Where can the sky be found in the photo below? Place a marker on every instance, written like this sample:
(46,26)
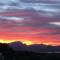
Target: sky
(30,21)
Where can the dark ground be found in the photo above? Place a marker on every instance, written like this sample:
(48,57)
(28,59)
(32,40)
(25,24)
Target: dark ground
(31,56)
(8,53)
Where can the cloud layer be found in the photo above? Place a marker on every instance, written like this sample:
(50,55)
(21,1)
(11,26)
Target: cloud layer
(30,20)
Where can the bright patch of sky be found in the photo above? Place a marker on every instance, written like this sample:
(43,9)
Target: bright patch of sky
(55,23)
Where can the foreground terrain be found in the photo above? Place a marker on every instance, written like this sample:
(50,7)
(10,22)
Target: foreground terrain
(7,53)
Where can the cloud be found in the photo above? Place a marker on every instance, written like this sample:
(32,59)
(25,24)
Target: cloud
(12,18)
(55,23)
(50,33)
(35,21)
(40,0)
(49,9)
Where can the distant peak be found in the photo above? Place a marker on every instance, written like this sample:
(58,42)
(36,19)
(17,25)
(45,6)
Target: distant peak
(16,42)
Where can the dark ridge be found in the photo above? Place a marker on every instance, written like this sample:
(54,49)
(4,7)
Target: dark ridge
(7,53)
(18,46)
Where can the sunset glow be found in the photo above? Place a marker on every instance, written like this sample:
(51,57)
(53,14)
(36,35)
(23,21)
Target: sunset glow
(5,41)
(30,21)
(27,42)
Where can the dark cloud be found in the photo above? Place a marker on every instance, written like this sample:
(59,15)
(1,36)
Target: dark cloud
(51,33)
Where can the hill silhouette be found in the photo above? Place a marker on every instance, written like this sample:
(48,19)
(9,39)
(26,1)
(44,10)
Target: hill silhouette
(9,53)
(18,46)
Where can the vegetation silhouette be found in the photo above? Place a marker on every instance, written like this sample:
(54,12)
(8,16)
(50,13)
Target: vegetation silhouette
(10,54)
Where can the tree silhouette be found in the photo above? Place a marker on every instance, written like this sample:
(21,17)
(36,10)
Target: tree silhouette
(6,51)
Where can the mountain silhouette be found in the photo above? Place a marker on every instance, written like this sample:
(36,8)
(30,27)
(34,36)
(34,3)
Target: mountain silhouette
(18,46)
